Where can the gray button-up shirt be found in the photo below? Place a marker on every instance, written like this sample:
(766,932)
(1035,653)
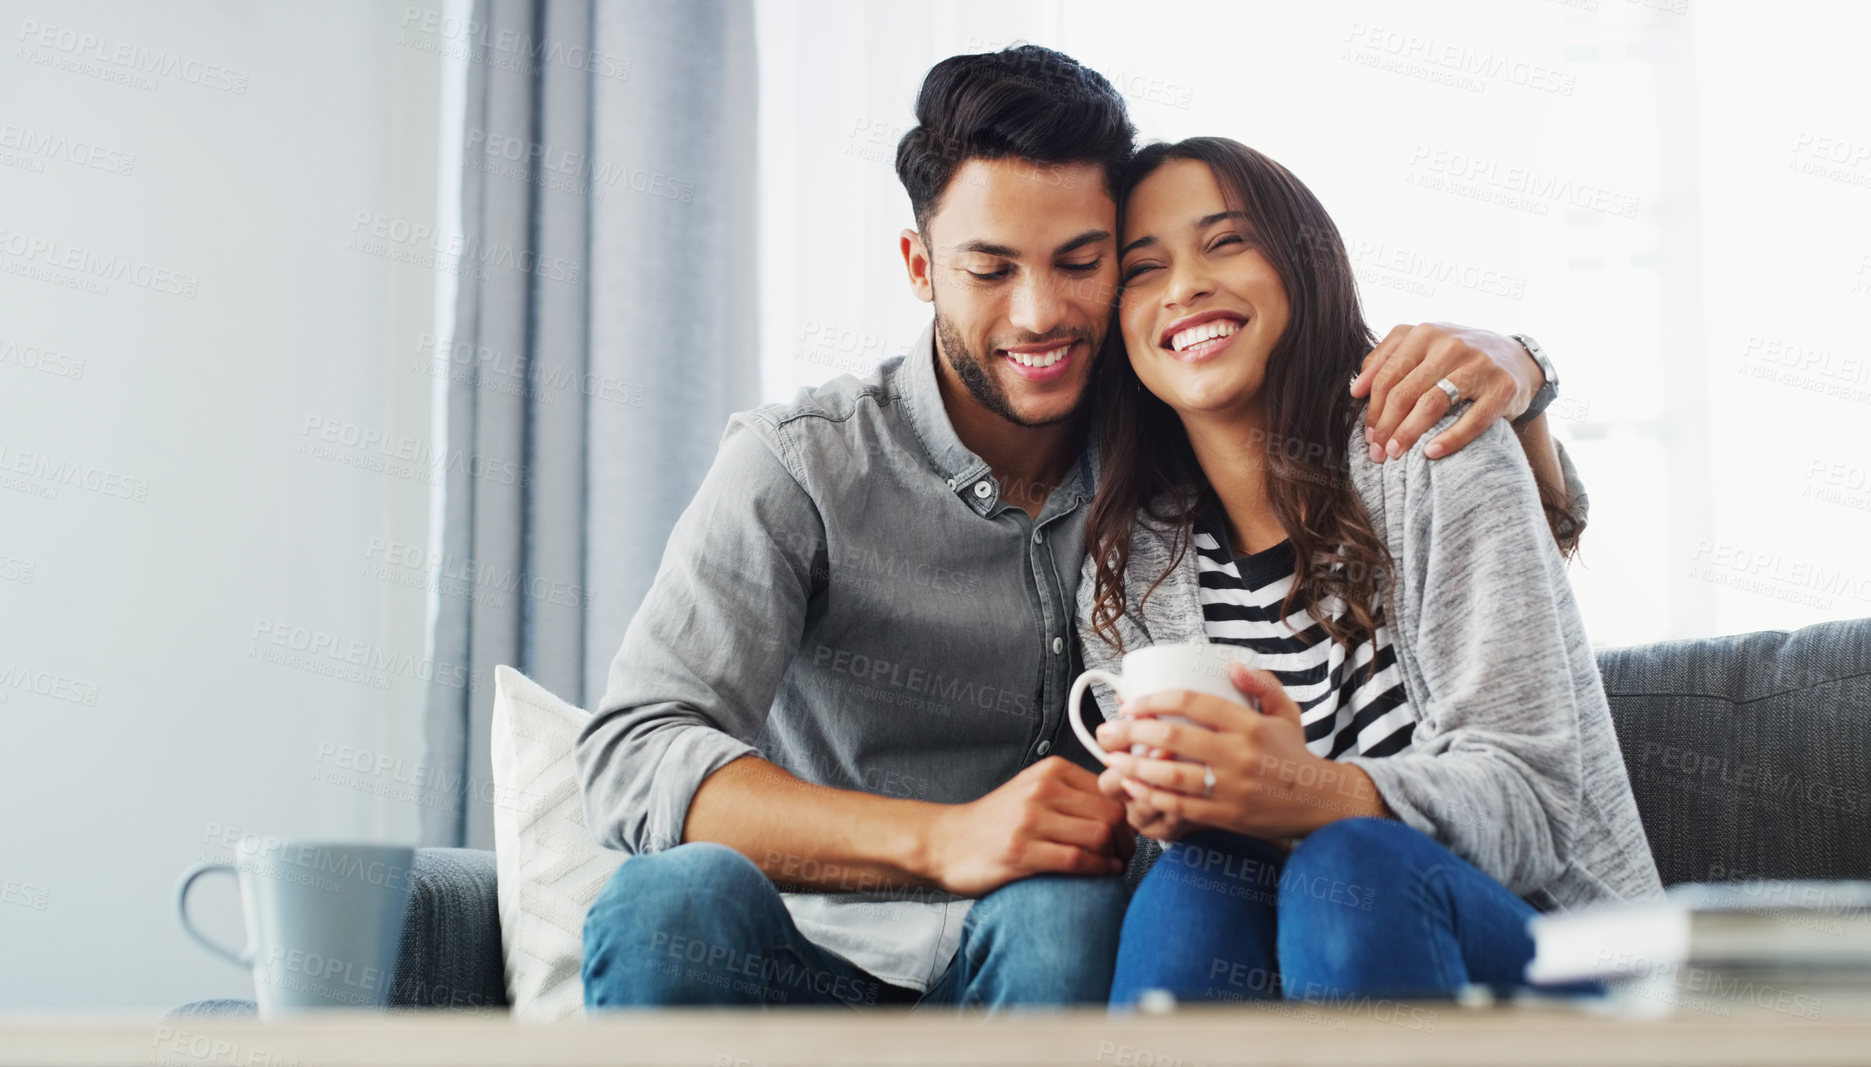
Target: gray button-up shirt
(853,596)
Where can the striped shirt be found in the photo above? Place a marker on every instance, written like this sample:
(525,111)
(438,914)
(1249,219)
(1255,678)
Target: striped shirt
(1346,712)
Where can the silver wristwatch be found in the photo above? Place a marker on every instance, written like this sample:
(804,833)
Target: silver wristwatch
(1547,392)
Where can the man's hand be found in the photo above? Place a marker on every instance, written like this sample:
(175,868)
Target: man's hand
(1401,373)
(1049,818)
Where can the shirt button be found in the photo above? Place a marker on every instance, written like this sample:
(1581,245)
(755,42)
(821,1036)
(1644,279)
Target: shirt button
(1038,538)
(983,490)
(1058,645)
(1042,748)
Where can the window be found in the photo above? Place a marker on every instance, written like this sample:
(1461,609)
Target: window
(1674,198)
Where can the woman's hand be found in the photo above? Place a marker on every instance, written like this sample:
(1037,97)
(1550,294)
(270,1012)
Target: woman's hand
(1267,784)
(1143,818)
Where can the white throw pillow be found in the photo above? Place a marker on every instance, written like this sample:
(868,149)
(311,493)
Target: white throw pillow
(550,869)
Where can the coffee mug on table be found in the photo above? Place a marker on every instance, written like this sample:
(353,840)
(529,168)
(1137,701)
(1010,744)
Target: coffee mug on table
(1202,668)
(324,921)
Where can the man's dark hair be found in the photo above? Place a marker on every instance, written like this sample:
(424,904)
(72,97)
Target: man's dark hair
(1025,102)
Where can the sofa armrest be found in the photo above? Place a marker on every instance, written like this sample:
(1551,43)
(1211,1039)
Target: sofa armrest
(450,956)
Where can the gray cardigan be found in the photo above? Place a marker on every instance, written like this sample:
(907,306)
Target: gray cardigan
(1514,765)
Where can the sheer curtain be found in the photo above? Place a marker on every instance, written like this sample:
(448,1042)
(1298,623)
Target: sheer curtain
(1672,197)
(603,332)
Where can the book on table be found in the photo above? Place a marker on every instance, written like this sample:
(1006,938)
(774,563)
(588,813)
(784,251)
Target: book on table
(1787,946)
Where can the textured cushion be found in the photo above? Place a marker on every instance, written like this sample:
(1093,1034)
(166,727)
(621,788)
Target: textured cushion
(550,868)
(1750,755)
(450,956)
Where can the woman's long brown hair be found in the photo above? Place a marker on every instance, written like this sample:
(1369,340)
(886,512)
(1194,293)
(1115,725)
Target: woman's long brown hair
(1148,469)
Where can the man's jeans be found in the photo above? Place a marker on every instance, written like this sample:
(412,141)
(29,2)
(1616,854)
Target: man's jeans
(1363,907)
(699,924)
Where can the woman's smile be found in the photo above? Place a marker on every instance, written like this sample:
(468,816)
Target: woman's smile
(1199,337)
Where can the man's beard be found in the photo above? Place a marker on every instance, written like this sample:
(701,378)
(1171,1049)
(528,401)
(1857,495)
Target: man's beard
(971,367)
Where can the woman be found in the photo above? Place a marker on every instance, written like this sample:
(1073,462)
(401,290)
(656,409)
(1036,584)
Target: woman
(1434,758)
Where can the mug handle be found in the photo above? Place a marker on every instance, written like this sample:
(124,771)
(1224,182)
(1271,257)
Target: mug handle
(1078,721)
(244,957)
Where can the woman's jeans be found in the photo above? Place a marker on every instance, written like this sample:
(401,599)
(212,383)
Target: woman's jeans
(1362,907)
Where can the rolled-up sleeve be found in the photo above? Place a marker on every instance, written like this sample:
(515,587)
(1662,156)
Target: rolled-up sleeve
(691,686)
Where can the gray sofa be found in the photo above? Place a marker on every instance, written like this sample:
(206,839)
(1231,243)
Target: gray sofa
(1750,756)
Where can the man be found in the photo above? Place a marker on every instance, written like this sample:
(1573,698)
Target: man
(849,675)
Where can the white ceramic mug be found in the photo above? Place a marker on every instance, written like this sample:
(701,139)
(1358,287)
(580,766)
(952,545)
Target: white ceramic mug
(1201,668)
(324,920)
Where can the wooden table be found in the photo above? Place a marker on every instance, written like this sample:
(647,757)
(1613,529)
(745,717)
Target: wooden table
(1267,1035)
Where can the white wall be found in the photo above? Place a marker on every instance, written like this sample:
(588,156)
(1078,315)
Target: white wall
(162,737)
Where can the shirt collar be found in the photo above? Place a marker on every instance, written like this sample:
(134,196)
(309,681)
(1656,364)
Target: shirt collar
(921,395)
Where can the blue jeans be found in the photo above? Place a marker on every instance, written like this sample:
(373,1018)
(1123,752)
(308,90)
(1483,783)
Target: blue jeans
(699,924)
(1363,907)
